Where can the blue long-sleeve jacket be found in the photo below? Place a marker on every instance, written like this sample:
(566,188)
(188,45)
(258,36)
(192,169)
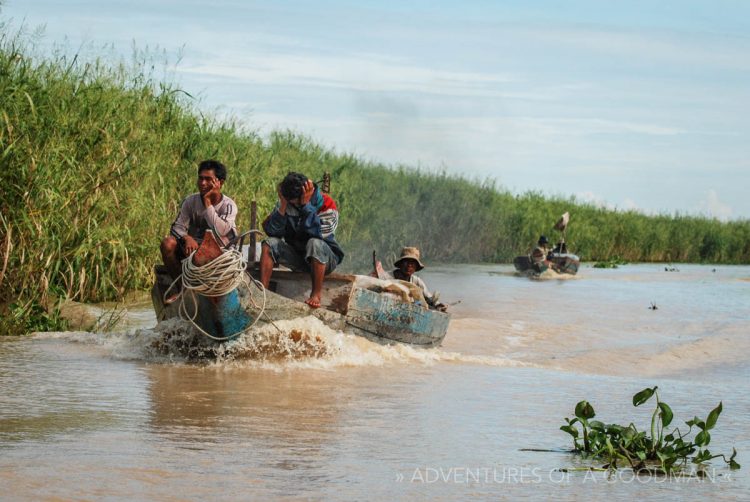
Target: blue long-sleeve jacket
(316,219)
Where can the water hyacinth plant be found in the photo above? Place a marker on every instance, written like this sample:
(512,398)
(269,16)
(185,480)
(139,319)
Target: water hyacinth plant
(662,452)
(613,262)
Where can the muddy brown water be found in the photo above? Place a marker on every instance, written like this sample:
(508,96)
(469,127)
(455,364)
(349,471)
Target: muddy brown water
(86,415)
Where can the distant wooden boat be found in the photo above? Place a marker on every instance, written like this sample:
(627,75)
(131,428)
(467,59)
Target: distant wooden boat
(559,260)
(562,263)
(380,311)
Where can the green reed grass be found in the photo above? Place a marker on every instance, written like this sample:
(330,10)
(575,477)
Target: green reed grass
(95,159)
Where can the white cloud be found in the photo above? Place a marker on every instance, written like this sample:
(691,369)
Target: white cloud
(594,199)
(630,205)
(714,207)
(357,73)
(669,47)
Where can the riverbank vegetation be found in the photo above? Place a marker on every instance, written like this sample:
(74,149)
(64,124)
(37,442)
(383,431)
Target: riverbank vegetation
(96,157)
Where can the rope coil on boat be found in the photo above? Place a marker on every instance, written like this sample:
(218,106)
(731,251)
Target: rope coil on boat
(218,277)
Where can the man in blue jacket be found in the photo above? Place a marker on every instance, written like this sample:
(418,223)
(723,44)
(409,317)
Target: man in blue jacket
(300,233)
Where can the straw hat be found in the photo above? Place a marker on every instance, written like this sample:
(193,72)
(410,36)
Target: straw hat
(409,252)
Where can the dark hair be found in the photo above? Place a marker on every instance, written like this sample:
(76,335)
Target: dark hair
(543,240)
(220,171)
(292,184)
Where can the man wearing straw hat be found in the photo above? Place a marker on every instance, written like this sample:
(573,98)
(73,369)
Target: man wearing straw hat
(408,263)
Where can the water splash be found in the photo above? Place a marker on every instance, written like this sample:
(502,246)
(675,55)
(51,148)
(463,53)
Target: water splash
(304,343)
(550,274)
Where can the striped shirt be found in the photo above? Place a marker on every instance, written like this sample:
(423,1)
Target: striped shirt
(194,218)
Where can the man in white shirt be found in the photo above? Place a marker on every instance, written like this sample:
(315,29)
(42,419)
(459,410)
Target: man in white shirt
(207,209)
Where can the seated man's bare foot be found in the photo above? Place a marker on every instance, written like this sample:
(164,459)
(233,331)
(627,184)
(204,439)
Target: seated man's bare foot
(172,298)
(313,302)
(175,291)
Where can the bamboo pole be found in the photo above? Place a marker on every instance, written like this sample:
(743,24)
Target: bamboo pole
(253,226)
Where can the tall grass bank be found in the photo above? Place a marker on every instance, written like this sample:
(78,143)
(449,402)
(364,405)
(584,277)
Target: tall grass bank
(96,157)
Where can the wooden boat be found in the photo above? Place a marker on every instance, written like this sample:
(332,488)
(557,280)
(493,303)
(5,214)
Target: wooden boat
(377,310)
(362,305)
(558,260)
(562,263)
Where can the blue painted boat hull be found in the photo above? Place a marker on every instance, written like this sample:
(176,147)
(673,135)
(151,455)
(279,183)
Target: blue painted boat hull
(379,317)
(385,319)
(222,316)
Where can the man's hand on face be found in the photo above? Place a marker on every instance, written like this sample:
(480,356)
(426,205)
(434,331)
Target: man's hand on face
(307,192)
(282,201)
(189,245)
(213,192)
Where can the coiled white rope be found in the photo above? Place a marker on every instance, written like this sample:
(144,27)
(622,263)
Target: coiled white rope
(218,277)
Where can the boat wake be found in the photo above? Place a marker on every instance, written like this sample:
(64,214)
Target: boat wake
(722,349)
(550,274)
(304,343)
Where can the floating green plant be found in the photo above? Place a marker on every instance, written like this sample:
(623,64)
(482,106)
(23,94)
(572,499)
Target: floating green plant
(613,262)
(626,446)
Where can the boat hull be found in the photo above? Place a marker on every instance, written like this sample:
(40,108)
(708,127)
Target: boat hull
(383,319)
(222,317)
(347,305)
(562,263)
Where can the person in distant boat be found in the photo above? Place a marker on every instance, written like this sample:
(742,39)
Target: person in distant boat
(300,233)
(540,252)
(408,263)
(560,247)
(207,209)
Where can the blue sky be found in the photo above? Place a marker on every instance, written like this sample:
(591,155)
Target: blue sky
(627,104)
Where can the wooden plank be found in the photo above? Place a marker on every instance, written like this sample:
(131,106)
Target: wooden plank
(337,288)
(278,308)
(251,258)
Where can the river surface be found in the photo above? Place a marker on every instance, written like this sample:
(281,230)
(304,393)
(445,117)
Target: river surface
(105,416)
